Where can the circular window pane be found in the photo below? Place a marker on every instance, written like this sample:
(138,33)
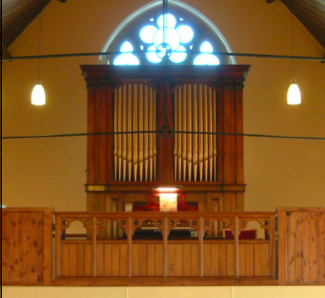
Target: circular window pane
(126,59)
(186,33)
(152,55)
(147,33)
(168,36)
(126,47)
(206,59)
(206,47)
(179,55)
(167,20)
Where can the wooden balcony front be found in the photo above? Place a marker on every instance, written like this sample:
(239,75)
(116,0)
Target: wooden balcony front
(158,248)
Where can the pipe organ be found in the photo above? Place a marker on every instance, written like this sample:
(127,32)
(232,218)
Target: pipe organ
(135,153)
(165,125)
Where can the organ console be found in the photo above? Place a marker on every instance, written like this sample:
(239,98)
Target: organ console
(158,125)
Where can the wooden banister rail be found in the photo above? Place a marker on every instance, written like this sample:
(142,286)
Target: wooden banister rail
(165,257)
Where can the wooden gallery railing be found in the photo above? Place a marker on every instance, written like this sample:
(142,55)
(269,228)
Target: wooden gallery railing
(151,248)
(167,260)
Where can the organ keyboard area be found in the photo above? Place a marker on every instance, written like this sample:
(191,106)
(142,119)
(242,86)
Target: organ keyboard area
(165,125)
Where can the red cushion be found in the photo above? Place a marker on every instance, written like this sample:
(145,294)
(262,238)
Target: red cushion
(246,234)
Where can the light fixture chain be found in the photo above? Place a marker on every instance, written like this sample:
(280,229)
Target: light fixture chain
(292,46)
(40,47)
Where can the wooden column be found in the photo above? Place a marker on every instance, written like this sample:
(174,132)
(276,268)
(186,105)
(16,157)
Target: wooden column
(165,232)
(91,140)
(231,121)
(94,244)
(236,247)
(229,141)
(57,272)
(239,120)
(201,247)
(129,245)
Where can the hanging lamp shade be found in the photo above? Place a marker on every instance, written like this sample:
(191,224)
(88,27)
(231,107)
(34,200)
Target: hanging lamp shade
(293,95)
(38,95)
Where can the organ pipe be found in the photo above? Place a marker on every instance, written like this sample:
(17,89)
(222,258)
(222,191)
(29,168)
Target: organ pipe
(134,152)
(195,155)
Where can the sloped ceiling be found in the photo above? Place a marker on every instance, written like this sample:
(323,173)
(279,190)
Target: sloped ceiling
(18,14)
(311,13)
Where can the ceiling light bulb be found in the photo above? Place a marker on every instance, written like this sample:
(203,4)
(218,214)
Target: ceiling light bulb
(166,189)
(293,95)
(38,95)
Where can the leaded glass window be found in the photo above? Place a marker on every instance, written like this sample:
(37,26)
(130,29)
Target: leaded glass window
(173,38)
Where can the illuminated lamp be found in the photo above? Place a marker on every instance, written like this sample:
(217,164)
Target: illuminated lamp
(167,198)
(293,94)
(38,93)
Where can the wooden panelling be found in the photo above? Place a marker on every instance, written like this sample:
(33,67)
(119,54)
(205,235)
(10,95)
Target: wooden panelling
(254,259)
(215,259)
(26,248)
(182,259)
(76,259)
(301,246)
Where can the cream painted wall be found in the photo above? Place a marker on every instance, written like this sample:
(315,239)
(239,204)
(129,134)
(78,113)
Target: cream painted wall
(162,292)
(51,172)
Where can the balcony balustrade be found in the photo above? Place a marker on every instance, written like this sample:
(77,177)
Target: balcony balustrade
(163,248)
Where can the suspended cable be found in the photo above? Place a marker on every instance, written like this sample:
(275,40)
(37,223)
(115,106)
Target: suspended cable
(53,56)
(170,132)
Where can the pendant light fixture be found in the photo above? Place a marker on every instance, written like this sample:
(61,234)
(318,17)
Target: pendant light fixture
(38,93)
(293,94)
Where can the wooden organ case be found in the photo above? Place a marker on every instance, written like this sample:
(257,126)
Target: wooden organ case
(153,126)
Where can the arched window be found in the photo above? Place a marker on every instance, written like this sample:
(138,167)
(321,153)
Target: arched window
(181,36)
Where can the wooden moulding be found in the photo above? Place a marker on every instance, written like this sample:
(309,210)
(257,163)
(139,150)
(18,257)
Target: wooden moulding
(14,209)
(147,187)
(163,281)
(188,215)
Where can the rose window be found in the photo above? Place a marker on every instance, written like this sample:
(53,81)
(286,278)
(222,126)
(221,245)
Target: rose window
(169,38)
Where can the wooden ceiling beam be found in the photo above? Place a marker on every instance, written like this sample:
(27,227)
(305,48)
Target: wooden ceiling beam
(5,53)
(311,14)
